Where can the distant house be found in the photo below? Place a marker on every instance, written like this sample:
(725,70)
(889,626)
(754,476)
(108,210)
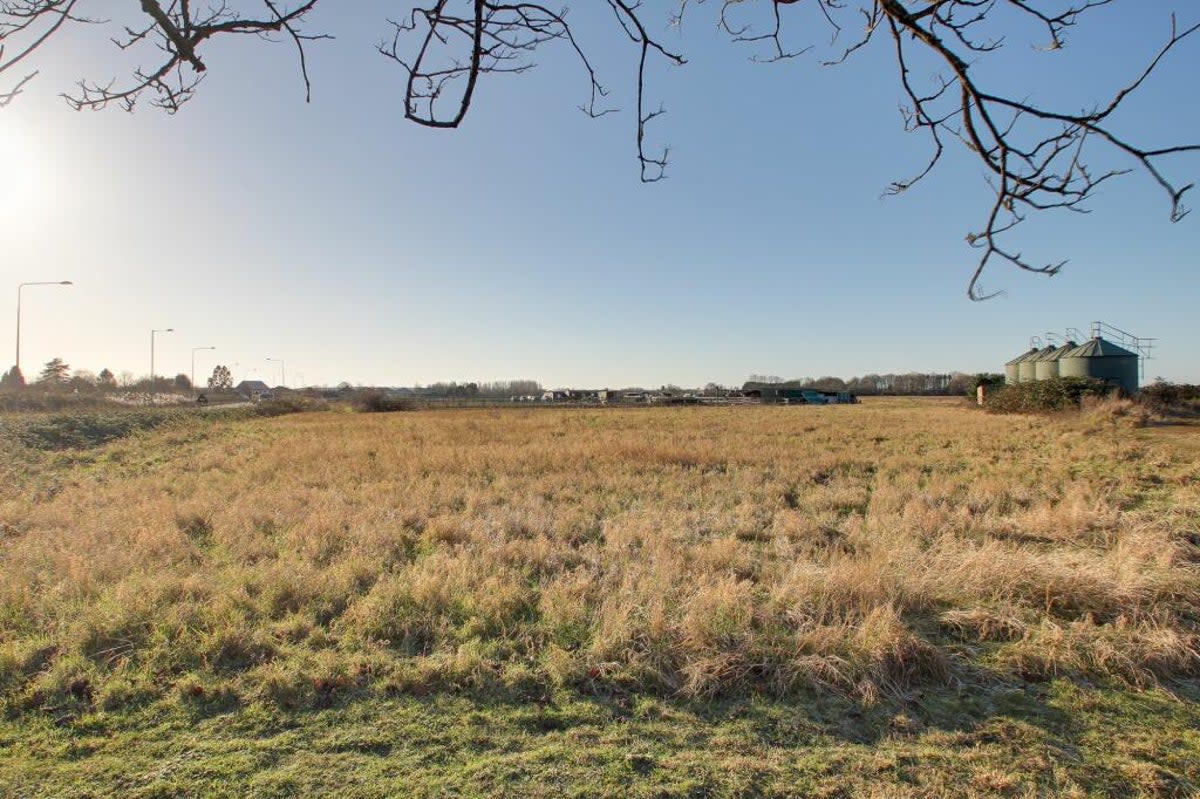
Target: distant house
(253,389)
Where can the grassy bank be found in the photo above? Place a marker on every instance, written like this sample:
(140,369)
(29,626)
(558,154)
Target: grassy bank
(1053,739)
(903,579)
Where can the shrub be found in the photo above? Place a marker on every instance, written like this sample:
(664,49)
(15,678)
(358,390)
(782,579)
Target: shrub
(83,430)
(281,406)
(30,400)
(1047,396)
(1171,397)
(1115,411)
(376,401)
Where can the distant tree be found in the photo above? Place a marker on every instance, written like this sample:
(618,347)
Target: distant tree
(509,388)
(961,383)
(867,384)
(183,382)
(221,379)
(988,380)
(12,379)
(55,372)
(453,389)
(106,379)
(82,380)
(829,384)
(764,379)
(525,387)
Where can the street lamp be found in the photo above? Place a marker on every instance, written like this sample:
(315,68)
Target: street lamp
(282,372)
(194,351)
(21,286)
(152,332)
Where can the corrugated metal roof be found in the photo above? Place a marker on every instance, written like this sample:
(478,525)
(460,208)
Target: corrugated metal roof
(1100,348)
(1054,353)
(1025,356)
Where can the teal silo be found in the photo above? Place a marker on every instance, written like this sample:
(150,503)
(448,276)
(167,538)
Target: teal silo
(1012,373)
(1027,368)
(1102,359)
(1045,367)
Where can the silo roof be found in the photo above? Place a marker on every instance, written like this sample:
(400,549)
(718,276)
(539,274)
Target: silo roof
(1054,353)
(1046,353)
(1025,356)
(1100,348)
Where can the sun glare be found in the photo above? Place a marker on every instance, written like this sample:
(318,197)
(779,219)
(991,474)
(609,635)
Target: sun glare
(23,176)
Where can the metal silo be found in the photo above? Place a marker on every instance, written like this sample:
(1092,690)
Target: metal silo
(1045,366)
(1100,358)
(1027,368)
(1012,374)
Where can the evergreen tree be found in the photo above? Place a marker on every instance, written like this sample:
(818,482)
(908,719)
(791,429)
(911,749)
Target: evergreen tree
(55,372)
(12,379)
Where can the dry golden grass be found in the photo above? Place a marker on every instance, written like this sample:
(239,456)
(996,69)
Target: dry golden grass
(692,551)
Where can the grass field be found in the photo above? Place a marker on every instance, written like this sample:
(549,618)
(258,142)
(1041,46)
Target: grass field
(902,598)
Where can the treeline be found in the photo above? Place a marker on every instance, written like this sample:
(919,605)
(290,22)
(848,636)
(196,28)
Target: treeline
(57,376)
(500,389)
(907,384)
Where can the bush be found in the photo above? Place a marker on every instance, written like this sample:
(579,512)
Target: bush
(83,430)
(1115,411)
(1047,396)
(281,406)
(376,401)
(50,402)
(1171,397)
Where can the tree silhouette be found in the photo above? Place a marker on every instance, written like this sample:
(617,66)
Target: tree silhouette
(1035,158)
(221,379)
(12,379)
(55,372)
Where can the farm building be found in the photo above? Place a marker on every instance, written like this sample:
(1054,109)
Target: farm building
(1110,354)
(785,394)
(1101,358)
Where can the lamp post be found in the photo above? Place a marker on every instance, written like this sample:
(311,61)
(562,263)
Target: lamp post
(21,286)
(282,372)
(194,351)
(152,332)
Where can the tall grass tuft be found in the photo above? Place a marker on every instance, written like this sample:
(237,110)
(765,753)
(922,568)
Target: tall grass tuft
(688,552)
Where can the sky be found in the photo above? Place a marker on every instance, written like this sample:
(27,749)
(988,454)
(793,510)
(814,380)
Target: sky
(356,246)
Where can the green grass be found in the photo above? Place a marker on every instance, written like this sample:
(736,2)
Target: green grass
(1056,739)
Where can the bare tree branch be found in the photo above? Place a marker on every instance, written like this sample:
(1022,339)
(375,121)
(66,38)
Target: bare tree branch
(1035,158)
(173,33)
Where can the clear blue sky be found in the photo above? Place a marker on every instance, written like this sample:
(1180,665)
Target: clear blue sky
(359,247)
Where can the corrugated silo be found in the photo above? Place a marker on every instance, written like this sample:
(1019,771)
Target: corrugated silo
(1027,368)
(1102,359)
(1012,374)
(1045,366)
